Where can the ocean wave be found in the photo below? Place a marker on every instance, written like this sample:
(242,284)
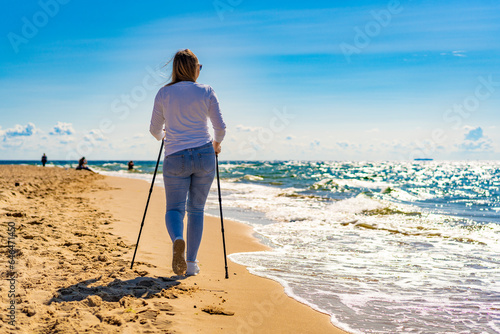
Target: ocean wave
(250,177)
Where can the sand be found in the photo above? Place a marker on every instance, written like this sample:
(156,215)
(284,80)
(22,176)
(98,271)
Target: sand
(75,234)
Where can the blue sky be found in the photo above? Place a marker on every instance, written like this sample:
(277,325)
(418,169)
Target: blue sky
(322,80)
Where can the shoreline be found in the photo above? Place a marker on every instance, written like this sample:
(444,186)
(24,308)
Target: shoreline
(258,310)
(75,237)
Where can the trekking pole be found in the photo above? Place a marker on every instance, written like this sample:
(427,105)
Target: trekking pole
(147,203)
(221,219)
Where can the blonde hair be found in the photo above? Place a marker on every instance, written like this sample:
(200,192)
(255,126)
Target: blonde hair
(184,67)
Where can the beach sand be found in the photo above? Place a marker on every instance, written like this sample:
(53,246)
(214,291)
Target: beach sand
(74,241)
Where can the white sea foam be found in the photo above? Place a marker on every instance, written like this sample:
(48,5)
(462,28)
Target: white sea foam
(359,267)
(132,175)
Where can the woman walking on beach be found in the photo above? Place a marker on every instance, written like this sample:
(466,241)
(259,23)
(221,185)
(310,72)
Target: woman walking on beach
(180,114)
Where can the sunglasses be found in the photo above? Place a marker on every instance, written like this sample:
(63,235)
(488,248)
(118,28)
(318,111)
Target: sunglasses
(201,66)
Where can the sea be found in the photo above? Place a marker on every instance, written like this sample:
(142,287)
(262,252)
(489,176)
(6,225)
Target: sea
(381,247)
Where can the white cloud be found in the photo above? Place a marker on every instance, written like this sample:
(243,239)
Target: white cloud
(94,135)
(16,137)
(244,128)
(484,144)
(67,140)
(315,143)
(343,144)
(474,134)
(19,131)
(62,128)
(458,53)
(476,140)
(11,143)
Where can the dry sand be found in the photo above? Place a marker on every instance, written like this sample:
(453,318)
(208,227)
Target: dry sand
(75,236)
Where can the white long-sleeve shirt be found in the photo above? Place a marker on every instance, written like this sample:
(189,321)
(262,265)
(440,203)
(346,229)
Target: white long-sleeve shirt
(184,108)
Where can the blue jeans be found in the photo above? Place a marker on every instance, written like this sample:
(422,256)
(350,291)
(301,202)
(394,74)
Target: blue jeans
(188,176)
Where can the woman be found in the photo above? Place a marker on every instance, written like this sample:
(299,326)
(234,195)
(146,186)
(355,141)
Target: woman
(182,108)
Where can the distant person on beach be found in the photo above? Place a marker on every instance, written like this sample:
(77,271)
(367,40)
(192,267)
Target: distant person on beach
(130,165)
(183,107)
(44,160)
(82,164)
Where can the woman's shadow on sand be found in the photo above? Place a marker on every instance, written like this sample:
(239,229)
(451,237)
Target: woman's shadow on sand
(139,287)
